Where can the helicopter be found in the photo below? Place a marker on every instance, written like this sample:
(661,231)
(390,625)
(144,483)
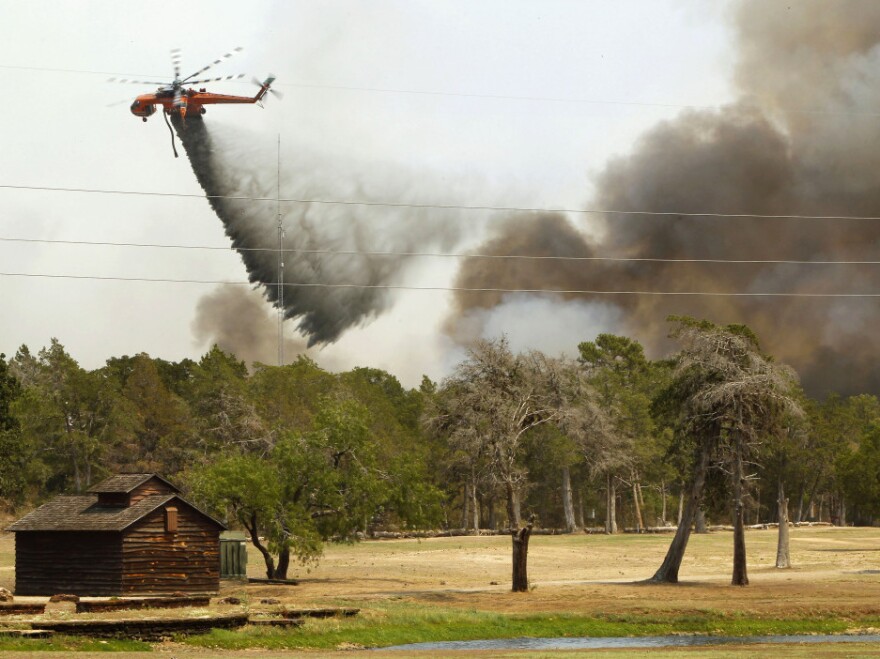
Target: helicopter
(176,98)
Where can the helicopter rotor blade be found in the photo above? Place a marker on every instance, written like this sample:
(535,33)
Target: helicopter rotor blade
(259,83)
(135,82)
(175,62)
(214,63)
(217,79)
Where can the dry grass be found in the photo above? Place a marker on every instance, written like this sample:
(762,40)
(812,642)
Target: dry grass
(836,575)
(583,574)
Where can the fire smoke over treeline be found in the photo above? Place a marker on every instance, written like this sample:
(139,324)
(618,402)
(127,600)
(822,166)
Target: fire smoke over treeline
(800,141)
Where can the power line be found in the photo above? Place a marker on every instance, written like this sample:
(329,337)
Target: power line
(463,207)
(441,288)
(332,252)
(427,92)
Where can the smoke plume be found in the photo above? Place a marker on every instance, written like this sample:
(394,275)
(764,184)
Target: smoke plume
(801,140)
(238,320)
(333,276)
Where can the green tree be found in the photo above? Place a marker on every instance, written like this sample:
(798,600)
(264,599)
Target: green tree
(13,465)
(308,488)
(68,413)
(225,413)
(860,473)
(160,430)
(625,380)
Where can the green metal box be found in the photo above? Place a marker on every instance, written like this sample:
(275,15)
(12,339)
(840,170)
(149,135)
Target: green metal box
(233,555)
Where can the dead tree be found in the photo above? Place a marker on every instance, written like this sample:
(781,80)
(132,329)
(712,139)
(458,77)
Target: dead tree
(521,555)
(783,553)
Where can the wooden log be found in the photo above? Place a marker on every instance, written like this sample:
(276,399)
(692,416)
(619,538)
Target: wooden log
(146,629)
(25,633)
(320,613)
(276,622)
(93,606)
(21,608)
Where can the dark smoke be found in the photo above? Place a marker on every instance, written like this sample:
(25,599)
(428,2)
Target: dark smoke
(802,140)
(238,320)
(227,164)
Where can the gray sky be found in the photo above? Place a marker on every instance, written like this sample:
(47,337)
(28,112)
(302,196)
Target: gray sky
(423,90)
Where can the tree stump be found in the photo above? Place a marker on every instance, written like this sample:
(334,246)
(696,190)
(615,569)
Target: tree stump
(521,556)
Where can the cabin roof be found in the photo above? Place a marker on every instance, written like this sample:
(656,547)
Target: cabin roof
(125,483)
(82,513)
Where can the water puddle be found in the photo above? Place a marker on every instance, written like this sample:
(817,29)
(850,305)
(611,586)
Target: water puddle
(585,643)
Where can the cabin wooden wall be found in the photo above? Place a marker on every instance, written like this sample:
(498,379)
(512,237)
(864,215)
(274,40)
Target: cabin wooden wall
(158,562)
(79,563)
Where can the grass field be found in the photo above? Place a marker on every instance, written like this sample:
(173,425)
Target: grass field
(583,585)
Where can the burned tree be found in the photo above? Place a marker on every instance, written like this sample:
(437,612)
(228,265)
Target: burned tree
(520,577)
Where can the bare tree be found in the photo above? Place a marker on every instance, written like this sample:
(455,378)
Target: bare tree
(731,396)
(489,403)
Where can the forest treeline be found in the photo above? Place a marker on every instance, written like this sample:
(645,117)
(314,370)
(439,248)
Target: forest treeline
(298,455)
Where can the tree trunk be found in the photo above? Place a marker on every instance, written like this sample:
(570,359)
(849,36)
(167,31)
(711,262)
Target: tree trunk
(567,502)
(700,521)
(283,564)
(783,555)
(513,515)
(757,505)
(520,557)
(466,506)
(811,499)
(663,500)
(490,513)
(740,576)
(476,508)
(640,524)
(680,504)
(668,571)
(610,505)
(253,528)
(800,512)
(580,509)
(841,511)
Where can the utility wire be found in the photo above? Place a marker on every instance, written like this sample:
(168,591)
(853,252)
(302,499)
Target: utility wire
(426,92)
(332,252)
(441,288)
(391,204)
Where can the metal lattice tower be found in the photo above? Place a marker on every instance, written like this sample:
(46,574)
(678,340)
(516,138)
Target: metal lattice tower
(280,261)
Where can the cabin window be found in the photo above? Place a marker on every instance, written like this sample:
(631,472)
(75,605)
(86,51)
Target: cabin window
(171,520)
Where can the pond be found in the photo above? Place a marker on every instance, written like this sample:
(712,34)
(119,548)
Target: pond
(586,643)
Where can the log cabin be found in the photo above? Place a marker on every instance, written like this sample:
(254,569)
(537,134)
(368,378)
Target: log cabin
(131,534)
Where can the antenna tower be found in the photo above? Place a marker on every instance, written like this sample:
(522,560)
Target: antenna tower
(280,260)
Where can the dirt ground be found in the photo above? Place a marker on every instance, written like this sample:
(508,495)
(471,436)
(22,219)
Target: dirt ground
(836,571)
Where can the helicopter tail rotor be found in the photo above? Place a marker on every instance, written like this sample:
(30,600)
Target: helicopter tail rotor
(265,86)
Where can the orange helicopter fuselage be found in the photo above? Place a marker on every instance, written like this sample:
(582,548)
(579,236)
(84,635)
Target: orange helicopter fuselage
(188,102)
